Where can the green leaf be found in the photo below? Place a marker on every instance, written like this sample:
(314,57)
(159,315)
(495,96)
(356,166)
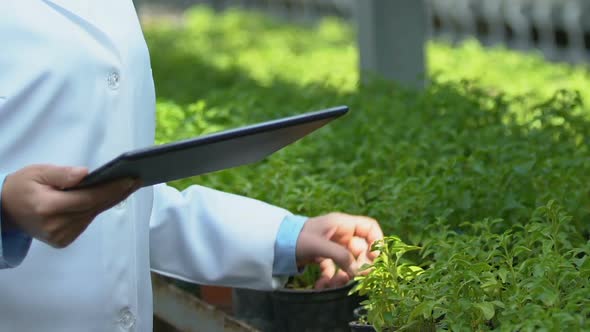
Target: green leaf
(503,273)
(465,200)
(524,169)
(548,296)
(487,309)
(424,310)
(499,304)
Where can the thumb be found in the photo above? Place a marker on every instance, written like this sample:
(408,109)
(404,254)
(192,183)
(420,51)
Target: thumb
(61,177)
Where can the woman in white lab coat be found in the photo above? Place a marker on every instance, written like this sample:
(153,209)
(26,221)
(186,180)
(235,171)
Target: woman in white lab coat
(76,89)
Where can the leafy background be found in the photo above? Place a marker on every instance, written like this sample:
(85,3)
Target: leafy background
(493,141)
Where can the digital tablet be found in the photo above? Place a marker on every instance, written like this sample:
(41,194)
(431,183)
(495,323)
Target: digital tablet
(209,153)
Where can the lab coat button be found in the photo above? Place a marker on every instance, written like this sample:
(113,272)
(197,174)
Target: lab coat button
(113,80)
(126,318)
(122,204)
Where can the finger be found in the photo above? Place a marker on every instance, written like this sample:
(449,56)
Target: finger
(69,235)
(92,199)
(327,270)
(60,177)
(376,234)
(68,228)
(117,200)
(113,193)
(348,226)
(361,250)
(364,260)
(358,246)
(339,279)
(339,254)
(369,230)
(78,227)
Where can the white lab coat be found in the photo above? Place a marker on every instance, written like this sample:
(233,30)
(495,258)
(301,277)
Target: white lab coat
(76,89)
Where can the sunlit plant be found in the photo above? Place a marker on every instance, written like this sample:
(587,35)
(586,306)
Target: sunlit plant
(385,284)
(528,278)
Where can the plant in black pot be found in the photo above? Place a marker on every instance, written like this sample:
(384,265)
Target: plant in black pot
(298,307)
(360,324)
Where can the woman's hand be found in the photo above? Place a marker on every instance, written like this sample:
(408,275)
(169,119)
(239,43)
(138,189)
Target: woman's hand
(337,239)
(33,201)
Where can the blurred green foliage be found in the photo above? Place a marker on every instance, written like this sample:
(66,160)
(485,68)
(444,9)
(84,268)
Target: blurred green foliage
(495,135)
(459,149)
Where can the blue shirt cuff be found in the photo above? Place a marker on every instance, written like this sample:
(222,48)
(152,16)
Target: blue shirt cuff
(14,245)
(285,261)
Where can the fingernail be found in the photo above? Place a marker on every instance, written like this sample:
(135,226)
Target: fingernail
(78,170)
(75,173)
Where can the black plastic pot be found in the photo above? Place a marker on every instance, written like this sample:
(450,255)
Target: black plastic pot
(361,312)
(361,327)
(357,326)
(328,310)
(254,307)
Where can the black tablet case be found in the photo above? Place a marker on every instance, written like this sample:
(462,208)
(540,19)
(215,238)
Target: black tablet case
(212,152)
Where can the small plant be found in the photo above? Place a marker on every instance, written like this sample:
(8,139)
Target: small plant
(305,280)
(385,283)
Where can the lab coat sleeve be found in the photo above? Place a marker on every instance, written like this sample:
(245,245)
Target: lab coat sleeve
(14,245)
(285,262)
(210,237)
